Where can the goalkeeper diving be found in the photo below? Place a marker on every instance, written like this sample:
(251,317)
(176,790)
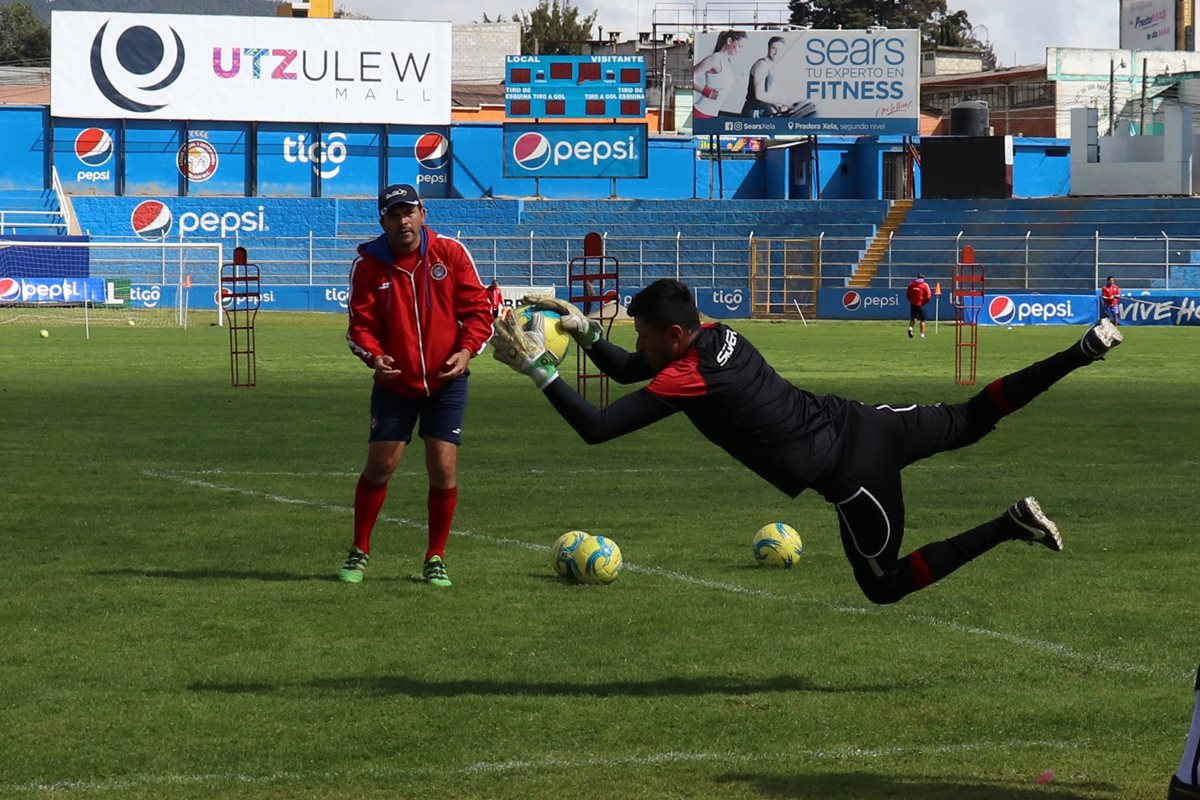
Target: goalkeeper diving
(849,452)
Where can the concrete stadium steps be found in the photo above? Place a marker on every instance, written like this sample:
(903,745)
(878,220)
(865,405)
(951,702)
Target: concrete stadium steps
(31,212)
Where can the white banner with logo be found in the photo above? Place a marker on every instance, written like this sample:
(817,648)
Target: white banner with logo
(268,69)
(1148,24)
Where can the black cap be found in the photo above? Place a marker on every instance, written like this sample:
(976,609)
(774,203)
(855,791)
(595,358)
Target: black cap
(396,194)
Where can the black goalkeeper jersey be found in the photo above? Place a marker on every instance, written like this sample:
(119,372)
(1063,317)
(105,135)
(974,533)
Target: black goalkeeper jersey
(731,394)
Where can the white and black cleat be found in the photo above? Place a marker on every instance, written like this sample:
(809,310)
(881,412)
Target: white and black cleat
(1099,339)
(1035,527)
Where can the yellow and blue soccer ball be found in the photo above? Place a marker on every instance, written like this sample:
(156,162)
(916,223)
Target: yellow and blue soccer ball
(563,551)
(546,327)
(597,560)
(777,545)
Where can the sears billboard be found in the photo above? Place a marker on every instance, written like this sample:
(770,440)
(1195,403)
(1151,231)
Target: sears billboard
(564,150)
(852,82)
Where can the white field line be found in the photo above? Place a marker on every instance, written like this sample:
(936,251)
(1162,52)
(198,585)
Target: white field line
(421,471)
(1092,659)
(532,765)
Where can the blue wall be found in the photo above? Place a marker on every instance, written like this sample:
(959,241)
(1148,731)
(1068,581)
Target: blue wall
(314,160)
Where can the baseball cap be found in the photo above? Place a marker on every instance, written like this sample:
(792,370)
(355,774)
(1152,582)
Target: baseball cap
(396,194)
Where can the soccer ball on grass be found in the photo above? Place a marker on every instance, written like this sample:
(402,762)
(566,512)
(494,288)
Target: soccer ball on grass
(597,560)
(777,545)
(563,551)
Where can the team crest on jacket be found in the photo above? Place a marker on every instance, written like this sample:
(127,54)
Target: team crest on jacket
(438,271)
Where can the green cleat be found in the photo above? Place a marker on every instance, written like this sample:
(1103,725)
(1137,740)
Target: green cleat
(355,566)
(435,572)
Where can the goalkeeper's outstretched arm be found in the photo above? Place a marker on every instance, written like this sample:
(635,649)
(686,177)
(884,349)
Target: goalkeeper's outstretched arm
(629,413)
(621,366)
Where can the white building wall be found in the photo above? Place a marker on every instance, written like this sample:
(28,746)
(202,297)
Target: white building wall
(479,50)
(1133,165)
(1084,76)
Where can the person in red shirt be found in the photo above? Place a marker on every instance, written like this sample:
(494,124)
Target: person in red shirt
(495,298)
(1110,301)
(918,295)
(418,314)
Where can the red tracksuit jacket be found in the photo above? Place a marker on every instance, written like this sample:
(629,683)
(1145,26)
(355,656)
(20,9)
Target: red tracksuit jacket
(420,309)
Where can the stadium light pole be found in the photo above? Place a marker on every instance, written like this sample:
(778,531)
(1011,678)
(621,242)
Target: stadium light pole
(1112,93)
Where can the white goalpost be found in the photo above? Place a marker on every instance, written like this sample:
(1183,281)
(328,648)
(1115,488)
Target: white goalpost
(154,284)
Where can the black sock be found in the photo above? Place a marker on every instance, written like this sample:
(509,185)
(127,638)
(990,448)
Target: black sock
(1005,395)
(942,558)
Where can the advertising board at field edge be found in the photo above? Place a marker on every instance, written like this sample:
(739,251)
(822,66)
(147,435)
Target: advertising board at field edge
(564,150)
(808,82)
(176,66)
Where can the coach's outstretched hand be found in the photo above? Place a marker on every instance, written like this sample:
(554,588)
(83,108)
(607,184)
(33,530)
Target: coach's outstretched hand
(522,352)
(584,331)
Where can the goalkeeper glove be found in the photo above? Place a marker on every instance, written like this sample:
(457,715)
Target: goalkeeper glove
(523,353)
(584,331)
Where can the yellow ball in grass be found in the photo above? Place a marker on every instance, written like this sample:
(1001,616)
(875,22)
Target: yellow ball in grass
(597,560)
(563,551)
(777,545)
(45,334)
(132,323)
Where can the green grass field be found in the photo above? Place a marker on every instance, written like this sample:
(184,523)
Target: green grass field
(171,625)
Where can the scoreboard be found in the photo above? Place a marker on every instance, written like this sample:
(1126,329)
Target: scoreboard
(567,87)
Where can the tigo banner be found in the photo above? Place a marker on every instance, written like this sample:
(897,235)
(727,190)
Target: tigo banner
(267,69)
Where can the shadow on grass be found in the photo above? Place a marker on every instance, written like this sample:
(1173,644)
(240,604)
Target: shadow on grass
(880,786)
(662,687)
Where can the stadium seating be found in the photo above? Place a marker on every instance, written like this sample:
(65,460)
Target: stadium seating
(30,212)
(520,241)
(1050,244)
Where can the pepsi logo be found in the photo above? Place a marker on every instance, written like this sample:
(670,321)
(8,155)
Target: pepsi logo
(93,146)
(131,66)
(151,220)
(10,290)
(531,151)
(1002,310)
(851,300)
(433,150)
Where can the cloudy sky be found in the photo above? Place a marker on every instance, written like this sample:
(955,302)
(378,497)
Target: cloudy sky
(1019,30)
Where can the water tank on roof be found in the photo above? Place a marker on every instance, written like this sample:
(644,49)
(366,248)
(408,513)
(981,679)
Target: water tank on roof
(969,118)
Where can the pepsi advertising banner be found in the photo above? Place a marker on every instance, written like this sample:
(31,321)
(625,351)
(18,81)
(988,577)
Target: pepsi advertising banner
(84,156)
(575,86)
(864,304)
(208,218)
(807,82)
(53,291)
(1038,309)
(563,150)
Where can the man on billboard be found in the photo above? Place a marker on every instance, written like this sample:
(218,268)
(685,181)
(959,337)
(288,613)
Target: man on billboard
(760,102)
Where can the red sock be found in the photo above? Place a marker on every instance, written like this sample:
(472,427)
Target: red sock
(368,499)
(441,514)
